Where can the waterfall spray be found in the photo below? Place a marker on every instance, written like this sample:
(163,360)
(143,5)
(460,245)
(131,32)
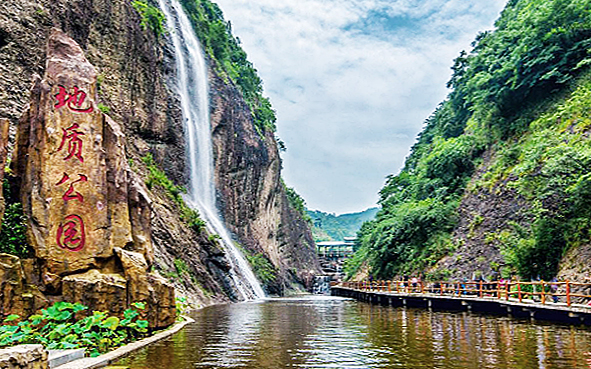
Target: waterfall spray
(194,95)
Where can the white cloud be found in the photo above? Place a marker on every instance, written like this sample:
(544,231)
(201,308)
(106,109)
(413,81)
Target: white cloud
(352,82)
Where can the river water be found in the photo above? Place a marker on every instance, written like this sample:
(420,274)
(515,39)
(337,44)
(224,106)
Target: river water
(327,332)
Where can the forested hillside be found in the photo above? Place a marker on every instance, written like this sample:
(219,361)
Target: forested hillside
(498,181)
(329,227)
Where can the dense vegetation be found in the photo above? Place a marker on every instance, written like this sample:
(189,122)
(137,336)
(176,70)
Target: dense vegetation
(329,227)
(13,235)
(216,37)
(152,18)
(505,98)
(64,326)
(549,166)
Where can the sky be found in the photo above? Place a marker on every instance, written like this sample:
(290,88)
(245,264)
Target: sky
(352,82)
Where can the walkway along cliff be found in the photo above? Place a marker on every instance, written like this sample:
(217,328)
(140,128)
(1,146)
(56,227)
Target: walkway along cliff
(137,88)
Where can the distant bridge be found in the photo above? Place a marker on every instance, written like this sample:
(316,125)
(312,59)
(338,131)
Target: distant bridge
(334,250)
(332,255)
(564,301)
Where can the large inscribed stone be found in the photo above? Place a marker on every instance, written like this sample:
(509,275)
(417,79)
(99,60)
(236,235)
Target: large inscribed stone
(81,199)
(64,177)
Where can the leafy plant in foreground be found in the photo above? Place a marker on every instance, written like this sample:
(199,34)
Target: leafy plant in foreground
(61,326)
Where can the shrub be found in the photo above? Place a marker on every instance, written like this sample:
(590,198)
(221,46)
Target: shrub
(192,218)
(104,108)
(262,268)
(296,202)
(157,177)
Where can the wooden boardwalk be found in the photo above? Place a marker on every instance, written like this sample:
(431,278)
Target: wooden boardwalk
(564,302)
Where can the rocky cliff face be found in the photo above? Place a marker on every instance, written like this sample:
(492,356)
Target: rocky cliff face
(136,86)
(252,197)
(85,208)
(481,212)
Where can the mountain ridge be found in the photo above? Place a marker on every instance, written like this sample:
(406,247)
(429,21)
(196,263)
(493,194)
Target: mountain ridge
(332,227)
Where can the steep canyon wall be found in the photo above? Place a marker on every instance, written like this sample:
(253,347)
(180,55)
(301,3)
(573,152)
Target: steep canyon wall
(136,88)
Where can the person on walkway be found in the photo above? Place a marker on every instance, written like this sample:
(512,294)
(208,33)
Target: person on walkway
(415,282)
(554,289)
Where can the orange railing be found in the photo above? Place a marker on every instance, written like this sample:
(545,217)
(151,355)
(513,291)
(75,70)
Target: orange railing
(564,292)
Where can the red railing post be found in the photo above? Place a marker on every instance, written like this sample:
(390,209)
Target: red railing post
(543,292)
(567,293)
(519,290)
(480,289)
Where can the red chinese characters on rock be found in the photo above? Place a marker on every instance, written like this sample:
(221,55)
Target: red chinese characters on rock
(70,234)
(70,135)
(74,101)
(70,195)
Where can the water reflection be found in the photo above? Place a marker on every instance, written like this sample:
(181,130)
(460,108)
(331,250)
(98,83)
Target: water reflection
(321,332)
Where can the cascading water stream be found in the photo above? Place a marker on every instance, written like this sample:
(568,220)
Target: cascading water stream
(193,90)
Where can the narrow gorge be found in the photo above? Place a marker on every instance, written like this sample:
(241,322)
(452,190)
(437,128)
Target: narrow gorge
(138,86)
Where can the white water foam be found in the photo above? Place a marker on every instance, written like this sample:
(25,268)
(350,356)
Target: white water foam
(194,94)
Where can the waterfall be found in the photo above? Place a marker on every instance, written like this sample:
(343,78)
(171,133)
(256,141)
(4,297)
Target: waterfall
(194,94)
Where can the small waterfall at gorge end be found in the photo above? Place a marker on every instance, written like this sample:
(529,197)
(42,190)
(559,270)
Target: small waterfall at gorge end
(192,83)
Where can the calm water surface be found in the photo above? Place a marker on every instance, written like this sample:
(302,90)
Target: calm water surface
(327,332)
